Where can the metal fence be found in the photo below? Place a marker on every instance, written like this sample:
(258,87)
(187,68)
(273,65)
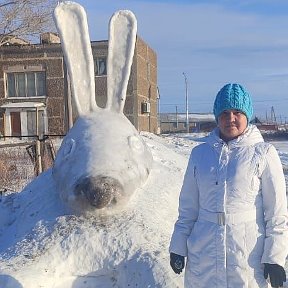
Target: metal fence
(21,161)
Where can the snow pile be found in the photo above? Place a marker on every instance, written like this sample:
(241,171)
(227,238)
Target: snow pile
(42,245)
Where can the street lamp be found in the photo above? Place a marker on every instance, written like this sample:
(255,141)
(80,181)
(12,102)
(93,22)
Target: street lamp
(186,97)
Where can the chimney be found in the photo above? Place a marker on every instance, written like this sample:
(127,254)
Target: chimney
(49,38)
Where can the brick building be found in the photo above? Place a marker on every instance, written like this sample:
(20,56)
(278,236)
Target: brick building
(35,90)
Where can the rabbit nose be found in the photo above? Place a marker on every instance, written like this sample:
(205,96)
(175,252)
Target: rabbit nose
(99,191)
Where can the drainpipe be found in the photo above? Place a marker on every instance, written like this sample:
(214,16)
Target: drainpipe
(38,145)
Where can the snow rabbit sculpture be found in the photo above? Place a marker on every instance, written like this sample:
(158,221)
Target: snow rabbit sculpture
(102,159)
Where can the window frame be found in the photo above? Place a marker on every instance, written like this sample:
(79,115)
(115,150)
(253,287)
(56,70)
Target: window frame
(38,84)
(97,62)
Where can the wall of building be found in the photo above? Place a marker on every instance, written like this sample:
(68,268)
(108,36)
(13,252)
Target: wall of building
(146,87)
(28,58)
(142,86)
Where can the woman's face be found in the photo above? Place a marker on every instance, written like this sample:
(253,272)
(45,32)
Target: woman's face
(231,123)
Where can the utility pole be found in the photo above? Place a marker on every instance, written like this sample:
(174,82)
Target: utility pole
(273,115)
(186,98)
(176,117)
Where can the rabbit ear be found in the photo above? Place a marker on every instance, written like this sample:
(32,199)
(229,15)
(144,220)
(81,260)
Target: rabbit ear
(71,22)
(122,38)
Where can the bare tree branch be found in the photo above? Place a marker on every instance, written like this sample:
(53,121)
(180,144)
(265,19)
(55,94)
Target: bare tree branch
(8,3)
(25,19)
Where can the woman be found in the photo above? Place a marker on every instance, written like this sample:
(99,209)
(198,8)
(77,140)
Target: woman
(232,223)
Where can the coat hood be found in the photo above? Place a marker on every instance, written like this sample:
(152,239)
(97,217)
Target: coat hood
(250,136)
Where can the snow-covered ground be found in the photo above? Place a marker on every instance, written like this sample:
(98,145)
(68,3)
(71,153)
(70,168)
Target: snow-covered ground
(43,245)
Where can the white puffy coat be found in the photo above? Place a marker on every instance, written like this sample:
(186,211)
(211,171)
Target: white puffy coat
(232,212)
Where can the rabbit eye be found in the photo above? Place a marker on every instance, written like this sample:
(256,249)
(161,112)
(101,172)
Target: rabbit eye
(136,144)
(69,147)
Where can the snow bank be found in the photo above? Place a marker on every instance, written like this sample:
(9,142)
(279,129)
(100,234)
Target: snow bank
(44,246)
(41,245)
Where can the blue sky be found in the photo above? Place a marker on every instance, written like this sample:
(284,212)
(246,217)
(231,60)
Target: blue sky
(213,43)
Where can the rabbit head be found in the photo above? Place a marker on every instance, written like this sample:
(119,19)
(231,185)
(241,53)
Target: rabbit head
(103,159)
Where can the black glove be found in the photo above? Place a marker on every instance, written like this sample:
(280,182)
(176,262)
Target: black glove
(276,274)
(177,262)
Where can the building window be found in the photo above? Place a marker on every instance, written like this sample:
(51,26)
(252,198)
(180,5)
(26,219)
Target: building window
(26,84)
(100,66)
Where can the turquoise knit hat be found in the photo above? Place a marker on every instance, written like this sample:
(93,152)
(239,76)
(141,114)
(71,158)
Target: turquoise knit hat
(233,96)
